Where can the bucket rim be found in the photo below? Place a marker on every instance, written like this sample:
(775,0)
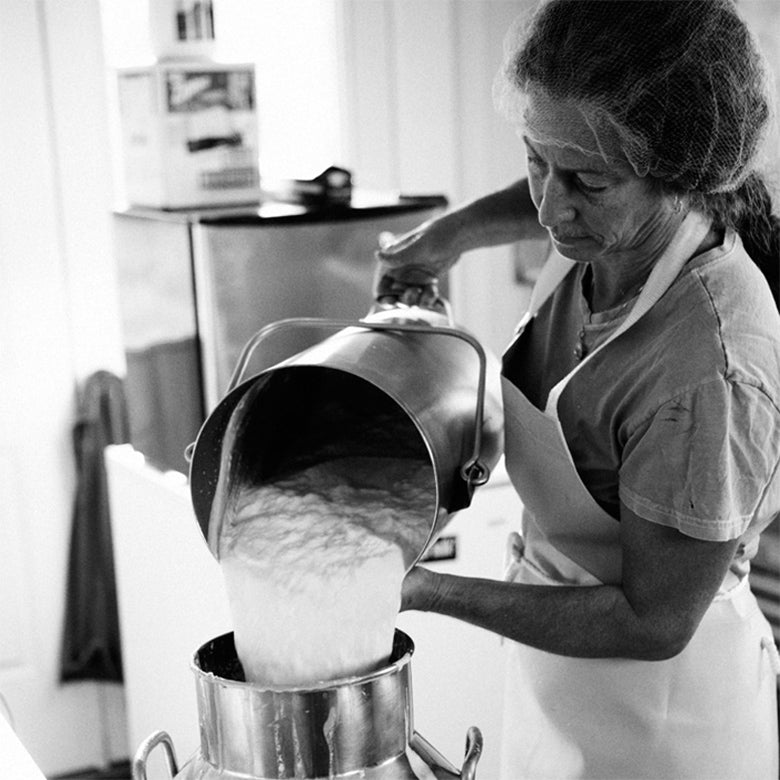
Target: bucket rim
(402,643)
(204,470)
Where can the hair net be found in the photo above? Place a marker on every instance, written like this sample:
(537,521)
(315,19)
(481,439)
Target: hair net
(676,87)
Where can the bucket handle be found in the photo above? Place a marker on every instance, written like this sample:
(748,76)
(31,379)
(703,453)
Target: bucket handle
(473,471)
(147,746)
(473,752)
(437,761)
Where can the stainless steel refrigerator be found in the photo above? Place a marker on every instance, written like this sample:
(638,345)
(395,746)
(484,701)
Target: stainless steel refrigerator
(196,285)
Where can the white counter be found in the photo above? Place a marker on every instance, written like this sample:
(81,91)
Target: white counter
(171,597)
(16,761)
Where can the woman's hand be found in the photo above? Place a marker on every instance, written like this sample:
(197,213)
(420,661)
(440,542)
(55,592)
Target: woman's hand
(669,581)
(416,261)
(431,248)
(420,589)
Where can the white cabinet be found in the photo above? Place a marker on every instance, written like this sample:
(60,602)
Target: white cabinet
(457,669)
(171,597)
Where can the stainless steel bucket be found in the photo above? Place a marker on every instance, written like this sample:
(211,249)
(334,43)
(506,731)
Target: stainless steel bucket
(404,381)
(353,728)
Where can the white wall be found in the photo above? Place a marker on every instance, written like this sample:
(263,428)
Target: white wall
(83,176)
(58,324)
(419,118)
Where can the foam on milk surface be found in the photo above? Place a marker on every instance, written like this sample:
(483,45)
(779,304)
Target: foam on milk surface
(313,565)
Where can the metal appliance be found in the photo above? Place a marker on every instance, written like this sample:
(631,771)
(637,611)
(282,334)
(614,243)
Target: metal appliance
(195,285)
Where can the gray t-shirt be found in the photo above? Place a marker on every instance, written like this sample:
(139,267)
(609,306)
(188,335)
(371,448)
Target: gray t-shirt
(679,417)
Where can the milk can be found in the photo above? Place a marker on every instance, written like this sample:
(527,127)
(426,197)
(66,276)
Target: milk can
(404,381)
(352,728)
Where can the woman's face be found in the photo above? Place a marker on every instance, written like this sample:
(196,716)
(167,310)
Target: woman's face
(592,208)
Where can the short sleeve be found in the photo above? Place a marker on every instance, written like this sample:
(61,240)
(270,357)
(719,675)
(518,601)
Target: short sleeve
(705,461)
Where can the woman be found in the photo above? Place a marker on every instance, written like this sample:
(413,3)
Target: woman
(641,394)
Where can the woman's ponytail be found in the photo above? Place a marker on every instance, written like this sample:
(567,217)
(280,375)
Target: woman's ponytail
(759,229)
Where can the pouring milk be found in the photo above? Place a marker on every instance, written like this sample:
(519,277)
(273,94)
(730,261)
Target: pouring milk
(313,564)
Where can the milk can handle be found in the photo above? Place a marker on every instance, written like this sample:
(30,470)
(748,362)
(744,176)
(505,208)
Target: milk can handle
(473,471)
(147,746)
(473,752)
(437,761)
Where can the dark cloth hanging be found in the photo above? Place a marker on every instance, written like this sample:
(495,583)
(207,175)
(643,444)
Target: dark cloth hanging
(91,648)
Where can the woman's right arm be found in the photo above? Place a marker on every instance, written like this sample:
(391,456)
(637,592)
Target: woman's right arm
(502,217)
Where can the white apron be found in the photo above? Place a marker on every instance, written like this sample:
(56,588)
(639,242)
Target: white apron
(709,712)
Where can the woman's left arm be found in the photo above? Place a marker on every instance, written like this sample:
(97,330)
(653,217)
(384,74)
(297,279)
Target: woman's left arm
(669,580)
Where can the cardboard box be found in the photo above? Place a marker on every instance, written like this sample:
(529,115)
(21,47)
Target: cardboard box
(189,134)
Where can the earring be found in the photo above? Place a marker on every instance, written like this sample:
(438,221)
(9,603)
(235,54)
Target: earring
(677,204)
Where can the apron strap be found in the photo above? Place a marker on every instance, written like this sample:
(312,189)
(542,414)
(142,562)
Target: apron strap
(553,272)
(689,235)
(539,461)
